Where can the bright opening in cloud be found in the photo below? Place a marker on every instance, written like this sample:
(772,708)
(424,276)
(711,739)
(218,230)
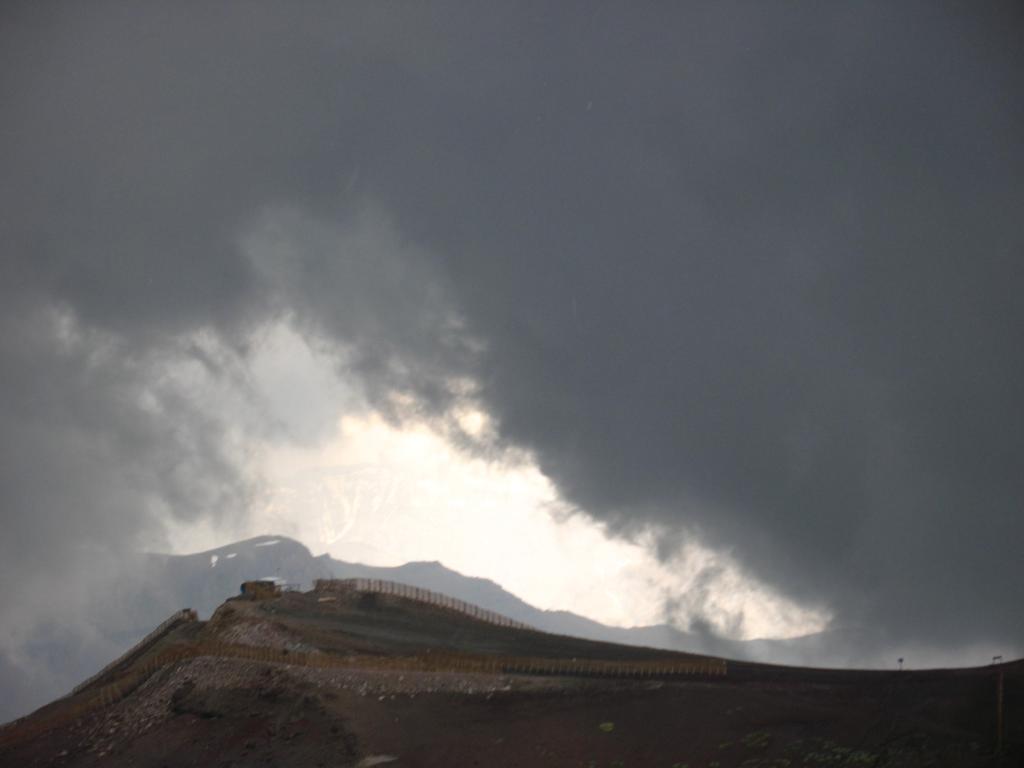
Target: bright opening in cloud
(380,494)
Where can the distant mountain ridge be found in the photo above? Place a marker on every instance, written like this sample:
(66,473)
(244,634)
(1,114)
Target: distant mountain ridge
(211,576)
(207,578)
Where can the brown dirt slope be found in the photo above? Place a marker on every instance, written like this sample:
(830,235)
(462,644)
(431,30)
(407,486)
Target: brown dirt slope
(369,679)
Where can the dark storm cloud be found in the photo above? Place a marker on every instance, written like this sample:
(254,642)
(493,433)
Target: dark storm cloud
(748,272)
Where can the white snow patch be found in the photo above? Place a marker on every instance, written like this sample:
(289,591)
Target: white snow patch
(213,561)
(229,555)
(270,543)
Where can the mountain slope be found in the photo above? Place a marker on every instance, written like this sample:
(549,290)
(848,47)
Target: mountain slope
(353,677)
(149,587)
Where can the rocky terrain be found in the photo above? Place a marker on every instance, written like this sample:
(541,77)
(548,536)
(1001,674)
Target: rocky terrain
(360,678)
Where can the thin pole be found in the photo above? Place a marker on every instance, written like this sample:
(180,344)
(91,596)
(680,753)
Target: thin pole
(999,713)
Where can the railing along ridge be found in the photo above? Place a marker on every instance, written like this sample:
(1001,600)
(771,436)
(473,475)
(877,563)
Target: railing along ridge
(184,615)
(397,588)
(113,692)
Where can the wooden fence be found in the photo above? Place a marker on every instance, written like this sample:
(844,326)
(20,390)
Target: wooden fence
(103,696)
(176,618)
(383,587)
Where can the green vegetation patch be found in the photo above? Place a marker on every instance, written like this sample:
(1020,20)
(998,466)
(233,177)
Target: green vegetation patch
(756,740)
(825,752)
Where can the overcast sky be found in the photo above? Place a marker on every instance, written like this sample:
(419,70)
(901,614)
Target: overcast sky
(743,277)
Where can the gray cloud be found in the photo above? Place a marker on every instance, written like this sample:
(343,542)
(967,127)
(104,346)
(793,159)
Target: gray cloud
(100,448)
(746,272)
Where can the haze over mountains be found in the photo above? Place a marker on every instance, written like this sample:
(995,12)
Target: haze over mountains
(143,590)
